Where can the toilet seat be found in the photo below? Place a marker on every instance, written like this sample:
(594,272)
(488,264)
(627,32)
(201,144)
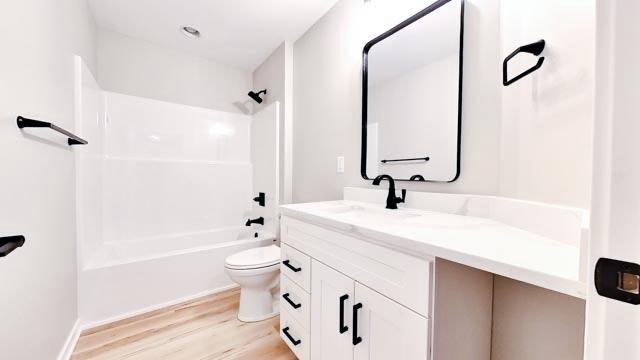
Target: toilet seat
(254,258)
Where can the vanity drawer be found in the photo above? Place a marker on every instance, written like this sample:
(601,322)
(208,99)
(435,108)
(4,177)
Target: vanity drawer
(295,300)
(401,277)
(294,335)
(296,266)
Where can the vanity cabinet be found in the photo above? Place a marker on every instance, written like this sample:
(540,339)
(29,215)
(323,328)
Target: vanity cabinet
(351,321)
(347,298)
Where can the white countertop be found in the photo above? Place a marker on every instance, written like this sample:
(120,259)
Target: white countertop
(482,243)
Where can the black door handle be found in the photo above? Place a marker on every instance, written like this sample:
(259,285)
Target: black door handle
(293,268)
(355,338)
(295,342)
(294,305)
(342,327)
(618,280)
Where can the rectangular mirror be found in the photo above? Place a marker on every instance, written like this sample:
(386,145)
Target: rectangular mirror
(412,97)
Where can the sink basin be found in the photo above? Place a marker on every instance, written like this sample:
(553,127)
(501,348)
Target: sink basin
(361,213)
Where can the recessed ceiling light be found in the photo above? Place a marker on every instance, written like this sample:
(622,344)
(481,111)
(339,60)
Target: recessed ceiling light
(190,32)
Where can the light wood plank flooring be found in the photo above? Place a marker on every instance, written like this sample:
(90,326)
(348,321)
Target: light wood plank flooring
(202,329)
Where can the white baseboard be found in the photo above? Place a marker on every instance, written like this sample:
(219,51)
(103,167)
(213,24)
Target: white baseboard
(70,344)
(145,310)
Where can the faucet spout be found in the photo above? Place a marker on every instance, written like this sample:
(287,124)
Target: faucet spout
(392,199)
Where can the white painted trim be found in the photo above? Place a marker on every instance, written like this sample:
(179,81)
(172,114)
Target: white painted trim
(145,310)
(70,344)
(288,124)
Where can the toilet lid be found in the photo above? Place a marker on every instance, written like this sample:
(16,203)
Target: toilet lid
(254,258)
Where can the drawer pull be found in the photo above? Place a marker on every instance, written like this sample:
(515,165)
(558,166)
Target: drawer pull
(356,339)
(295,342)
(342,327)
(293,268)
(293,305)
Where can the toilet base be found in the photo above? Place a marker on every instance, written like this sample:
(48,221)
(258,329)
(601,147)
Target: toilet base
(257,305)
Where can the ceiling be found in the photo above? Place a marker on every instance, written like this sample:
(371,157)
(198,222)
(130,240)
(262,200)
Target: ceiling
(239,33)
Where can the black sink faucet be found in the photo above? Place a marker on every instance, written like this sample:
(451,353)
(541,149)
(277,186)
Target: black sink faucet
(392,200)
(259,220)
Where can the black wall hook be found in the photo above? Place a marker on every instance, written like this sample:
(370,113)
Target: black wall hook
(533,48)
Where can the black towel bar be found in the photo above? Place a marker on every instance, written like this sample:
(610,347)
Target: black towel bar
(73,139)
(534,49)
(10,243)
(413,159)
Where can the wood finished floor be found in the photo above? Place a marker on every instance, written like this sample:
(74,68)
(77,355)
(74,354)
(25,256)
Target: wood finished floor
(202,329)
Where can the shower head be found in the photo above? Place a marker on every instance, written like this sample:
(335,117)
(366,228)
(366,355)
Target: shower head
(256,96)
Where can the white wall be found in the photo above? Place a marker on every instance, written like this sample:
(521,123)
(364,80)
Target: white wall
(136,67)
(327,85)
(509,150)
(547,118)
(276,75)
(531,323)
(38,293)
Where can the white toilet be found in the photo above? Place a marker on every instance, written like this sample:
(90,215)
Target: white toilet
(257,272)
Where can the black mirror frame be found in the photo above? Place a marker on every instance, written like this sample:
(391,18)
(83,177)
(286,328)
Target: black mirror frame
(365,83)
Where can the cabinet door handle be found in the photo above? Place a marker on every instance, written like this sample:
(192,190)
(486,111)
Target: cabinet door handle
(355,338)
(293,268)
(342,327)
(295,342)
(293,305)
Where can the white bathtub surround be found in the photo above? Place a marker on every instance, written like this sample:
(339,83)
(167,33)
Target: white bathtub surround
(163,195)
(265,157)
(540,244)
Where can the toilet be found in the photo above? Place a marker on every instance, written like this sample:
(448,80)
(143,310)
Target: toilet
(257,271)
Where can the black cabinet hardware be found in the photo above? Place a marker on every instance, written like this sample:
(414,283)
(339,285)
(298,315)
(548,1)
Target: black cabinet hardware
(295,342)
(73,139)
(260,199)
(293,305)
(426,158)
(293,268)
(10,243)
(618,280)
(533,48)
(342,327)
(355,338)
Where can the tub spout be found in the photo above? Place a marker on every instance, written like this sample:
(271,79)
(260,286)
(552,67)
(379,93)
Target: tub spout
(259,220)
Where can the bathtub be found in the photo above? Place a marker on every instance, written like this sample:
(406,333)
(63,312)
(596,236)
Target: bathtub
(127,278)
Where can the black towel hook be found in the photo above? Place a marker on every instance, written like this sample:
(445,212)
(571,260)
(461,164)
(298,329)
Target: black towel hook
(533,48)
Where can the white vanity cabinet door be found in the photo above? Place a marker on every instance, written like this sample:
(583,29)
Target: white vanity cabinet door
(330,288)
(388,329)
